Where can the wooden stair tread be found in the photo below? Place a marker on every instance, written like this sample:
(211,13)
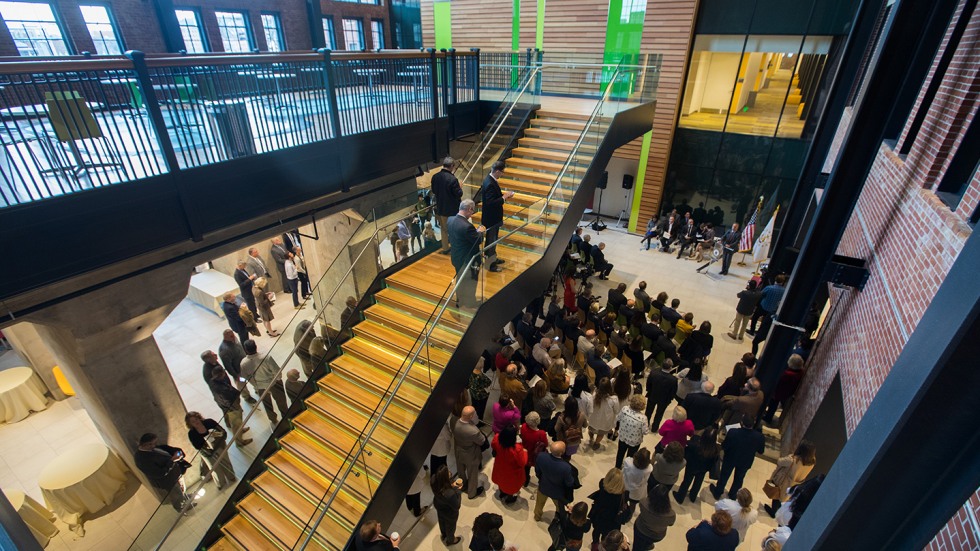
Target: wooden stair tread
(512,210)
(246,535)
(545,133)
(543,143)
(536,229)
(534,175)
(275,524)
(343,438)
(548,114)
(561,156)
(327,462)
(354,369)
(423,308)
(411,325)
(225,543)
(525,199)
(359,417)
(544,166)
(555,123)
(346,509)
(383,358)
(341,397)
(389,337)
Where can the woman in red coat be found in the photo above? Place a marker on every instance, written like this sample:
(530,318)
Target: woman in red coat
(508,465)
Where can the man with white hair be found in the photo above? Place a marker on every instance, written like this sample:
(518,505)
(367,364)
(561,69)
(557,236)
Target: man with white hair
(703,409)
(586,344)
(464,241)
(470,444)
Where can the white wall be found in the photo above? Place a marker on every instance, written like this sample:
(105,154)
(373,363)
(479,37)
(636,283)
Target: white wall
(614,197)
(720,81)
(748,84)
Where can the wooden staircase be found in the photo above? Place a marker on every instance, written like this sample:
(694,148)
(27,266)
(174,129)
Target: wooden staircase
(287,495)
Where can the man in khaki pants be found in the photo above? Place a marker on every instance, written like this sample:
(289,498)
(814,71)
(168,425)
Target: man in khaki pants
(448,193)
(229,400)
(555,480)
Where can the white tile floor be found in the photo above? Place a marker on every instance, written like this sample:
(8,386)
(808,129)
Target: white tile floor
(27,446)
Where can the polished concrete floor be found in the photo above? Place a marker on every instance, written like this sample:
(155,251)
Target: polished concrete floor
(27,446)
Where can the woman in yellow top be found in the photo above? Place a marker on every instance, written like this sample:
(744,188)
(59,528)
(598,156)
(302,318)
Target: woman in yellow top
(685,324)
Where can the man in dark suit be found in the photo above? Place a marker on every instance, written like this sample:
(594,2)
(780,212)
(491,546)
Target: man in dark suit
(642,297)
(493,211)
(740,447)
(470,443)
(688,236)
(555,480)
(661,389)
(279,254)
(599,261)
(230,309)
(245,282)
(617,298)
(464,240)
(703,409)
(669,229)
(576,242)
(729,242)
(586,248)
(448,193)
(628,310)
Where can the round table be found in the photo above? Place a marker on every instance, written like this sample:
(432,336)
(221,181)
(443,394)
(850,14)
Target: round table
(21,392)
(35,516)
(84,479)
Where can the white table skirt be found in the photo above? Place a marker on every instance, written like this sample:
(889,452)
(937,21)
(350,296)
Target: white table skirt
(82,480)
(21,392)
(208,287)
(35,516)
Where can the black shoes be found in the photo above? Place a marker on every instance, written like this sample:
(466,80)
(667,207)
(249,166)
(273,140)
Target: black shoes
(678,497)
(714,491)
(453,541)
(770,511)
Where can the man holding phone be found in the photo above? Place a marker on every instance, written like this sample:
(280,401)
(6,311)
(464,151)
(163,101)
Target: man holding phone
(164,467)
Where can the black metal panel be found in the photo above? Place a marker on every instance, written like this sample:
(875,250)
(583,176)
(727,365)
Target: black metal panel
(912,460)
(495,312)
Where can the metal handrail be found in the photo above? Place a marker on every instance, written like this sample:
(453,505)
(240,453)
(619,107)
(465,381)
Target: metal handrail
(424,339)
(500,122)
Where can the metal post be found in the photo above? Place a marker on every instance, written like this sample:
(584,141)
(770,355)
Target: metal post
(315,15)
(169,26)
(864,24)
(858,153)
(330,82)
(539,57)
(476,73)
(454,87)
(899,436)
(444,79)
(433,89)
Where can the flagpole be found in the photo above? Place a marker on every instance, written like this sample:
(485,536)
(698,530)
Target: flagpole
(745,226)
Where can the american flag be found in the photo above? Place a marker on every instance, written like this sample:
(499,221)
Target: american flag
(748,232)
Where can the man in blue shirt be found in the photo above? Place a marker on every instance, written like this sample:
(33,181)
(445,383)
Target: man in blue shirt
(771,297)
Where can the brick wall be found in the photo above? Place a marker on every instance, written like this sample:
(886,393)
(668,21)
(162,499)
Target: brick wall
(365,12)
(910,239)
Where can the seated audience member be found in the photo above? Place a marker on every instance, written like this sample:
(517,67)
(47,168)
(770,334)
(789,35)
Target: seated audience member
(685,324)
(660,302)
(642,297)
(628,310)
(617,298)
(602,266)
(670,313)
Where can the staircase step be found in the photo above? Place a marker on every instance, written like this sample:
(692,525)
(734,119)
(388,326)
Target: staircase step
(548,134)
(246,535)
(384,358)
(524,199)
(541,190)
(381,380)
(344,514)
(411,325)
(547,114)
(276,524)
(556,145)
(360,416)
(575,126)
(342,438)
(225,543)
(536,229)
(512,210)
(398,341)
(328,463)
(546,178)
(538,153)
(359,396)
(543,166)
(422,308)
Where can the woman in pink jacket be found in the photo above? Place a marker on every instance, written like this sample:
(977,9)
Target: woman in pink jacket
(676,429)
(505,413)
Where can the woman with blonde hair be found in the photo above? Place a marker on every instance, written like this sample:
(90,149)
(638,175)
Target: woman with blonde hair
(676,429)
(632,428)
(608,505)
(264,305)
(741,510)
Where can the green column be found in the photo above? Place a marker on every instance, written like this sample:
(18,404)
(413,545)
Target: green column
(641,172)
(443,24)
(515,28)
(624,30)
(539,27)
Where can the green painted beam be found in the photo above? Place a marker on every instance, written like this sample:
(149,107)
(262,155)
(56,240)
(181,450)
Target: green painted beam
(641,172)
(539,27)
(443,24)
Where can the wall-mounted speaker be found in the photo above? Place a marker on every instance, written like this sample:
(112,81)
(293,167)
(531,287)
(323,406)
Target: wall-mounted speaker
(627,181)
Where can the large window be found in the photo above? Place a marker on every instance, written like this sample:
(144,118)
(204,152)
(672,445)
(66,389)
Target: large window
(189,21)
(353,35)
(34,28)
(103,29)
(328,33)
(273,32)
(377,34)
(758,85)
(235,33)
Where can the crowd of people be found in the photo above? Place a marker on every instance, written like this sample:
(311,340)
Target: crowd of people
(578,375)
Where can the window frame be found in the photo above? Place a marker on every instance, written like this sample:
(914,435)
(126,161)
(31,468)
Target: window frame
(360,32)
(56,15)
(280,35)
(380,35)
(113,23)
(247,26)
(963,165)
(329,32)
(205,43)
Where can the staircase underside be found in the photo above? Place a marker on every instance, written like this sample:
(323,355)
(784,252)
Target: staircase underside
(284,498)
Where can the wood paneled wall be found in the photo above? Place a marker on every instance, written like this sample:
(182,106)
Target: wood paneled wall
(575,26)
(667,30)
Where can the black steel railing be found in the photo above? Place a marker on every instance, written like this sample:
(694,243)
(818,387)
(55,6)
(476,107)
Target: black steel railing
(68,125)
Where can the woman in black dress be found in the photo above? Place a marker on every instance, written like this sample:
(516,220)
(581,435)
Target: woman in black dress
(446,500)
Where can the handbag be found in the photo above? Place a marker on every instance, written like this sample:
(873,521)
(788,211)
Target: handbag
(771,490)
